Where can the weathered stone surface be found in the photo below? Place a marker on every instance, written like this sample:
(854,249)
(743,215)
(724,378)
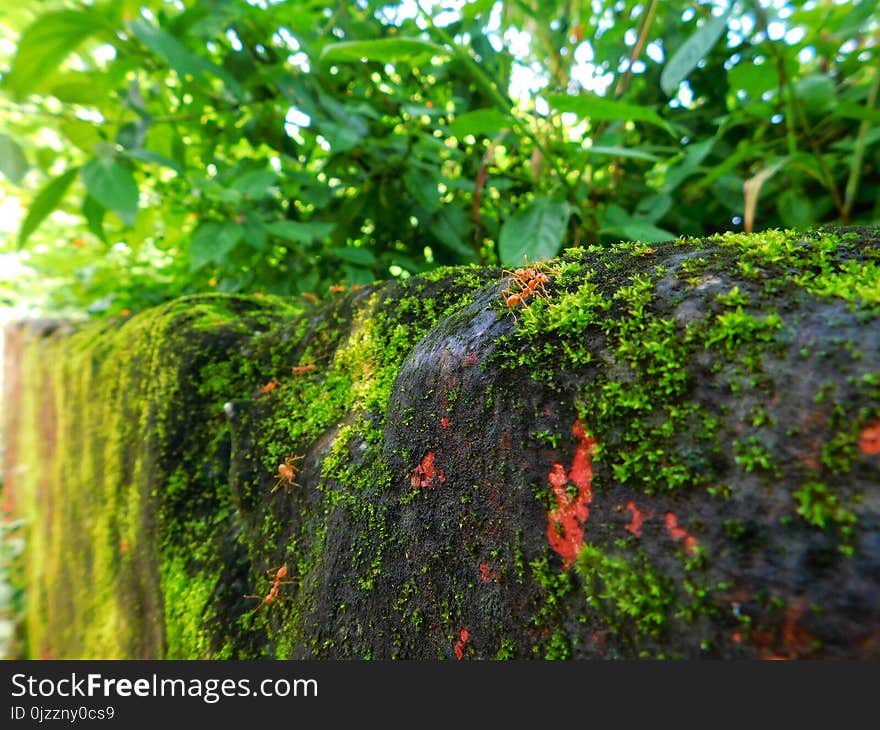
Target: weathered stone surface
(668,451)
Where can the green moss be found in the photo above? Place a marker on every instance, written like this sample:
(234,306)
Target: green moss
(630,596)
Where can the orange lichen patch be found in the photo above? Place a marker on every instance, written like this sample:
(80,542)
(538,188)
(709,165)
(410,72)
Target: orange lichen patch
(444,422)
(869,439)
(679,533)
(565,523)
(459,645)
(635,524)
(486,573)
(423,476)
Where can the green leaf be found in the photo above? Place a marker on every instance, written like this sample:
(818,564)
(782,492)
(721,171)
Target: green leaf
(299,232)
(83,134)
(450,227)
(815,91)
(93,212)
(753,79)
(636,154)
(535,233)
(113,186)
(422,185)
(255,231)
(212,242)
(691,52)
(178,56)
(638,231)
(595,108)
(653,207)
(848,110)
(46,43)
(78,87)
(357,256)
(479,121)
(256,184)
(13,163)
(155,158)
(45,202)
(383,50)
(795,210)
(694,154)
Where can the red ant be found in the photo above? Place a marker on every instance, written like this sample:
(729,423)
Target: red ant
(277,576)
(530,282)
(300,369)
(286,473)
(270,386)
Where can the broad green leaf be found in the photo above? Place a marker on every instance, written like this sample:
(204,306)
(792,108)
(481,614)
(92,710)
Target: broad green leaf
(255,231)
(13,163)
(113,186)
(694,154)
(383,50)
(78,87)
(299,232)
(795,209)
(479,121)
(256,184)
(46,43)
(477,7)
(753,79)
(691,52)
(178,56)
(653,207)
(635,154)
(45,202)
(638,231)
(596,108)
(212,242)
(423,186)
(154,158)
(535,233)
(83,134)
(816,92)
(93,212)
(848,110)
(451,228)
(357,256)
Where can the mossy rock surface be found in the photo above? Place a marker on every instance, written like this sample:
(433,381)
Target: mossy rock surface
(667,451)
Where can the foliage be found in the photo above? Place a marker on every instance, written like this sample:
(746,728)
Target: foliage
(161,148)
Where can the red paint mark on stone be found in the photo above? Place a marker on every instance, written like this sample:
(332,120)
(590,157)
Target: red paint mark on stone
(869,439)
(565,523)
(486,573)
(444,422)
(678,533)
(470,359)
(441,475)
(459,645)
(635,524)
(423,474)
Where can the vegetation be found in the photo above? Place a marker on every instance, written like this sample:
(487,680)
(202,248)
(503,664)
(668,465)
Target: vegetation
(151,149)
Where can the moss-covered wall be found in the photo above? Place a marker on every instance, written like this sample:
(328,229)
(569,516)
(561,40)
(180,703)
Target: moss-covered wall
(668,451)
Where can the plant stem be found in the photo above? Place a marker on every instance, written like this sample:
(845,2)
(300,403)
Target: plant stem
(855,167)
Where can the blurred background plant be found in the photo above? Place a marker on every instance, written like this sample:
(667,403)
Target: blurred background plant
(151,148)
